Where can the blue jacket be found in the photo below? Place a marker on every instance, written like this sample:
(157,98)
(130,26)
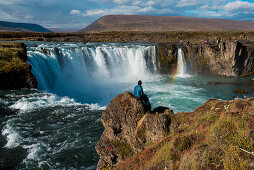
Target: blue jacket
(138,91)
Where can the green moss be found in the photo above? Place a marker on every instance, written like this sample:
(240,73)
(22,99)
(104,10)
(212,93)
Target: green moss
(123,148)
(212,118)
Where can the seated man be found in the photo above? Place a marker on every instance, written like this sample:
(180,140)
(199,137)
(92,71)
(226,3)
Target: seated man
(139,94)
(138,90)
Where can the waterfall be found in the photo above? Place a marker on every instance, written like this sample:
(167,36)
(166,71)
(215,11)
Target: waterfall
(89,69)
(180,63)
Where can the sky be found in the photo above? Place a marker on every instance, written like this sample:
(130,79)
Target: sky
(80,13)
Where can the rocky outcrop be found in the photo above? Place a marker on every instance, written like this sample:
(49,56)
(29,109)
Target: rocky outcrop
(217,135)
(128,128)
(15,72)
(228,58)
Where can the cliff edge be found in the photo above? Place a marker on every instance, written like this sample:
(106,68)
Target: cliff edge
(217,135)
(15,72)
(128,129)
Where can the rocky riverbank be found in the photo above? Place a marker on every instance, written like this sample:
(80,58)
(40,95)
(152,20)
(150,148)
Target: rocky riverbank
(15,72)
(217,135)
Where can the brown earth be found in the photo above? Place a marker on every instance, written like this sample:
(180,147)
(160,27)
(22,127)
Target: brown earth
(147,23)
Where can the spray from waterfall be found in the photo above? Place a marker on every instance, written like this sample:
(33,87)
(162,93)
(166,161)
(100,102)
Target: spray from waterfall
(90,71)
(181,70)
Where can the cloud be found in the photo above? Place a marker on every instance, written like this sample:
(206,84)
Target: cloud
(29,17)
(127,10)
(75,11)
(7,17)
(187,3)
(121,1)
(239,6)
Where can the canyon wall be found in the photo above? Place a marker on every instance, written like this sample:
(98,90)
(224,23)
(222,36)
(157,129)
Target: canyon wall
(227,58)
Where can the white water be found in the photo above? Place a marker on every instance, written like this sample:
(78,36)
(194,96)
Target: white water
(181,70)
(91,73)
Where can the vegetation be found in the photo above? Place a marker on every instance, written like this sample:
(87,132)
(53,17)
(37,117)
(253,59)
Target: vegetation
(15,72)
(12,58)
(194,37)
(217,135)
(123,148)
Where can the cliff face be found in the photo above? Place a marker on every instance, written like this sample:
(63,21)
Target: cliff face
(229,58)
(15,73)
(128,129)
(217,135)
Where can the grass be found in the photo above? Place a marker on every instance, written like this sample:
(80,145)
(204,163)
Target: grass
(208,138)
(13,57)
(123,148)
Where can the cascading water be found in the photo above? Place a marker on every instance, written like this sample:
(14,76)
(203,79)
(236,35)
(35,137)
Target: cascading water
(180,63)
(88,71)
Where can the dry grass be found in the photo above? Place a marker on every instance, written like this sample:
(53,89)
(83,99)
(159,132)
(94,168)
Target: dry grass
(209,138)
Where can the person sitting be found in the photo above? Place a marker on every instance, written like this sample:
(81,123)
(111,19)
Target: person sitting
(138,90)
(139,94)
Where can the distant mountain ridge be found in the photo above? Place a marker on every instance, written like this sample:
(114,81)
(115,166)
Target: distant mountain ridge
(21,27)
(165,23)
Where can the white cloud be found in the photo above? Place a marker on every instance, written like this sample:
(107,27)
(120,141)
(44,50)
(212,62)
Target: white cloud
(187,3)
(28,17)
(75,12)
(150,3)
(241,6)
(7,17)
(121,1)
(127,10)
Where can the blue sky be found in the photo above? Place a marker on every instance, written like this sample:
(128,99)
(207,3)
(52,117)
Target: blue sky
(80,13)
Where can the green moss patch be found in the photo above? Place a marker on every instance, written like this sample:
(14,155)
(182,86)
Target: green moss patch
(122,147)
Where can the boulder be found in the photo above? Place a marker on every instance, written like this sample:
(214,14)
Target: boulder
(128,128)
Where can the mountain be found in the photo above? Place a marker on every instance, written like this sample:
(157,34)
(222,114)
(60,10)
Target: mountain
(21,27)
(165,23)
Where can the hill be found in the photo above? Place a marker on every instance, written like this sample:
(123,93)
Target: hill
(21,27)
(165,23)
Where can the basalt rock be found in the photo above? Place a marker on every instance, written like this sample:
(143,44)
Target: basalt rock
(15,72)
(128,128)
(229,58)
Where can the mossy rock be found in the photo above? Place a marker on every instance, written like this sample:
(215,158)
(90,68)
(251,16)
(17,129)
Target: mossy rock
(123,148)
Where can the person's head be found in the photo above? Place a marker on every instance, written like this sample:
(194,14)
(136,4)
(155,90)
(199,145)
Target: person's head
(140,82)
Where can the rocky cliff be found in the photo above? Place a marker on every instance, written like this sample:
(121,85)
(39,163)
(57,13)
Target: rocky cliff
(129,128)
(227,58)
(15,72)
(217,135)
